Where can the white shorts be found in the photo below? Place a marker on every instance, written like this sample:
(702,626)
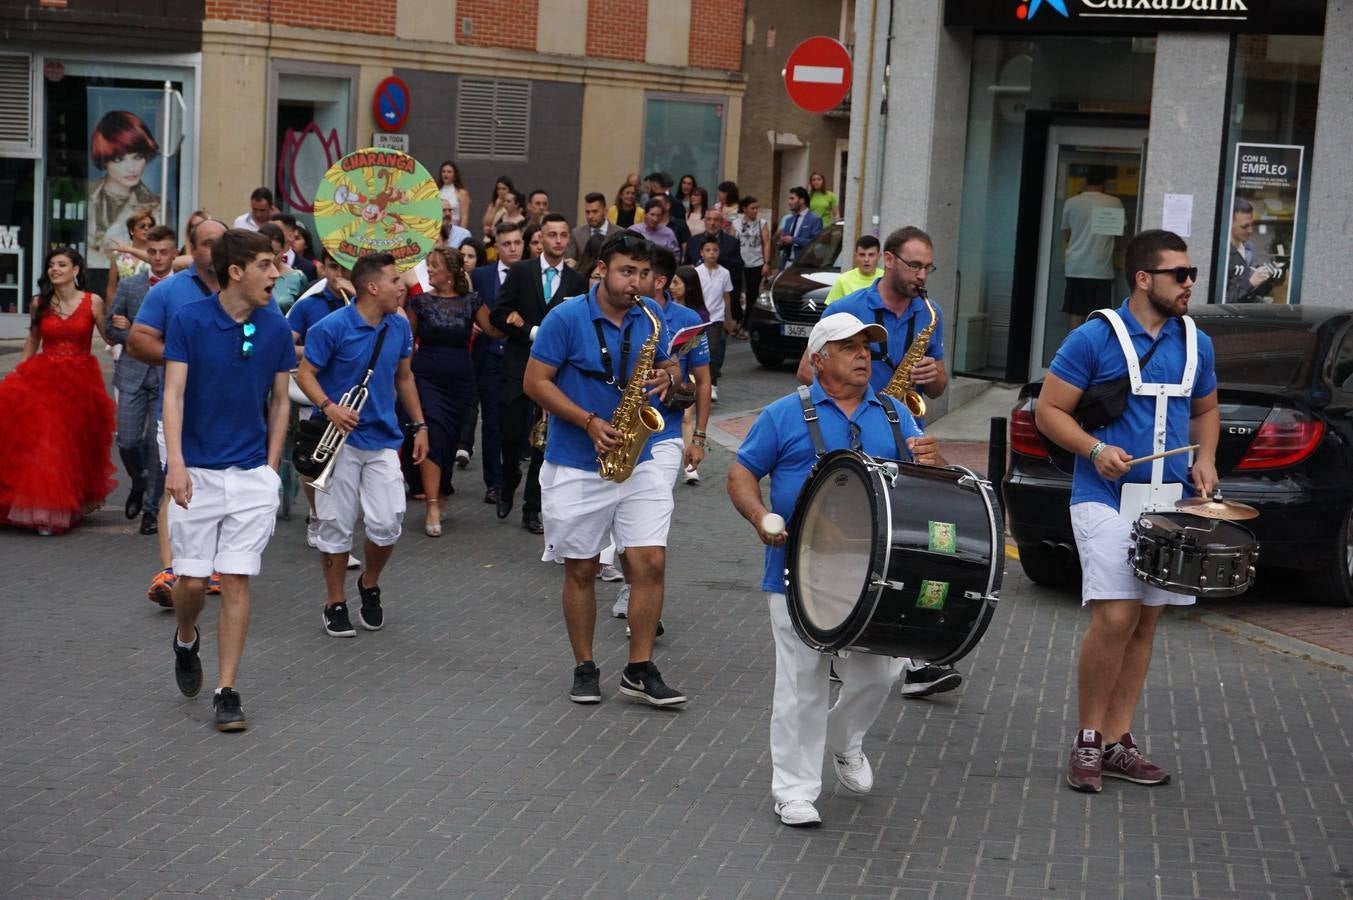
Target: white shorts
(228,521)
(581,510)
(159,442)
(668,454)
(1103,538)
(369,480)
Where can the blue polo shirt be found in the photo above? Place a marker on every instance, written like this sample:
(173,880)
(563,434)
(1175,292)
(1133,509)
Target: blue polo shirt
(567,340)
(169,296)
(780,445)
(866,305)
(308,310)
(676,317)
(339,346)
(1091,355)
(224,401)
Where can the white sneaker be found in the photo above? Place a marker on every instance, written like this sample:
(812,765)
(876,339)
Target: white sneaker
(354,562)
(798,813)
(621,609)
(312,532)
(692,475)
(462,458)
(854,773)
(714,396)
(610,573)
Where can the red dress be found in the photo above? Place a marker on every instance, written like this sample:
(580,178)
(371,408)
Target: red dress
(56,429)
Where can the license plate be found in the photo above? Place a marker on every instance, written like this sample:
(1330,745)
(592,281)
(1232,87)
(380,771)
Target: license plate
(796,330)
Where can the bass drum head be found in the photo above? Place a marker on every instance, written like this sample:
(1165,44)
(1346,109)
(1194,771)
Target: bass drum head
(834,549)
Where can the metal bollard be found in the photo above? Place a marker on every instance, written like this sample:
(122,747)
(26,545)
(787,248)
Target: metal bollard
(996,456)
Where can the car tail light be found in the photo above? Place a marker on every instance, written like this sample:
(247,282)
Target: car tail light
(1024,437)
(1287,437)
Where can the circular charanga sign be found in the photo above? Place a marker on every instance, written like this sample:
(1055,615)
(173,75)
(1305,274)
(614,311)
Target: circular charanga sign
(378,201)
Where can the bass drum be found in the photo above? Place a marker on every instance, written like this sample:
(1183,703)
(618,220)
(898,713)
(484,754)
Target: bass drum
(894,558)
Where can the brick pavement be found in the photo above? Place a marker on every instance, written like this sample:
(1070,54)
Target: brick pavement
(440,758)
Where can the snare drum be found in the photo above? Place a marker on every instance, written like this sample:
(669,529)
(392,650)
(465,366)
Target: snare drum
(1187,554)
(893,558)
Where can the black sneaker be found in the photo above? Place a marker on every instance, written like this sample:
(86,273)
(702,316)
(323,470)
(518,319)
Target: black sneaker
(643,682)
(336,621)
(586,683)
(229,715)
(929,680)
(370,615)
(188,665)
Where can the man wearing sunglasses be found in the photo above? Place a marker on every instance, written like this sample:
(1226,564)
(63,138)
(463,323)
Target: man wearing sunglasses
(1116,648)
(894,303)
(227,358)
(784,445)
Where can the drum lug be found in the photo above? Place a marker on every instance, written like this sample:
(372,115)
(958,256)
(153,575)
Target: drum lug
(972,481)
(978,595)
(885,583)
(888,471)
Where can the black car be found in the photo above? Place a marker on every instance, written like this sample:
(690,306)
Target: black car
(1285,389)
(779,320)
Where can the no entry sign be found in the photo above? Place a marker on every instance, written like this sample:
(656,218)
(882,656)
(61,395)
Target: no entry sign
(390,104)
(817,74)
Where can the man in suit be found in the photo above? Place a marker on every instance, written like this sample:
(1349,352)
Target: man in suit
(138,385)
(798,228)
(527,292)
(595,223)
(487,355)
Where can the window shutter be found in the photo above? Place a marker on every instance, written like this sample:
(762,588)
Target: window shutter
(18,120)
(493,119)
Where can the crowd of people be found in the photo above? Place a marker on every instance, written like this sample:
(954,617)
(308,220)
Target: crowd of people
(552,340)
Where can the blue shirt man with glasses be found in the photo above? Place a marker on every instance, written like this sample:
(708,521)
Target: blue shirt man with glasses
(895,302)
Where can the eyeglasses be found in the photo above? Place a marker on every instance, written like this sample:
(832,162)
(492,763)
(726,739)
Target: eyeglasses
(247,329)
(1182,274)
(928,268)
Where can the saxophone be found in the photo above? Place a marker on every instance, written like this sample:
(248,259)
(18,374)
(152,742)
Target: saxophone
(900,386)
(634,418)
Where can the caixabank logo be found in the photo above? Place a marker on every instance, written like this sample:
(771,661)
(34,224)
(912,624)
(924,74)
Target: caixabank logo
(1026,11)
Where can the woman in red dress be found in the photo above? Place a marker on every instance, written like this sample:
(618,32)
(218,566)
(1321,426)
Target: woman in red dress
(56,418)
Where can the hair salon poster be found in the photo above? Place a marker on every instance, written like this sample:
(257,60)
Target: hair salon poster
(1265,210)
(124,165)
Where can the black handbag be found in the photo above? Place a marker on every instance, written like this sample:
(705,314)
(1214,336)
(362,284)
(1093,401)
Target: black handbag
(309,432)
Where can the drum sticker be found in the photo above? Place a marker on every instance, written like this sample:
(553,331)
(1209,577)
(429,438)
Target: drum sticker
(943,537)
(933,594)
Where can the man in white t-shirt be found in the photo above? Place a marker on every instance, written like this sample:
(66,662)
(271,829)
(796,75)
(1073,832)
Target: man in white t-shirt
(260,211)
(716,285)
(1089,249)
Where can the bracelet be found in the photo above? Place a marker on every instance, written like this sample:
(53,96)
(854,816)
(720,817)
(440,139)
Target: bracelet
(588,420)
(699,442)
(418,426)
(1096,450)
(325,404)
(698,434)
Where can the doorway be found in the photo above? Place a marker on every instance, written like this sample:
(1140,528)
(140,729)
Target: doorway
(1083,160)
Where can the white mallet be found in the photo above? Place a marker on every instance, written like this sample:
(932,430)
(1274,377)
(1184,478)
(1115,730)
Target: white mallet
(773,524)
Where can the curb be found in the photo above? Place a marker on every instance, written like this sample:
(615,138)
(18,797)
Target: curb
(1277,642)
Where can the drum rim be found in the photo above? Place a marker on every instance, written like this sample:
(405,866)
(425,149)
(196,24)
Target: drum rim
(840,637)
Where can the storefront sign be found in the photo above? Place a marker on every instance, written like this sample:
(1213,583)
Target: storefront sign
(1265,210)
(378,201)
(398,142)
(1138,16)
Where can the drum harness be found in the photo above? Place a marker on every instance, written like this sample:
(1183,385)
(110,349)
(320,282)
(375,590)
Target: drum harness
(1155,497)
(815,430)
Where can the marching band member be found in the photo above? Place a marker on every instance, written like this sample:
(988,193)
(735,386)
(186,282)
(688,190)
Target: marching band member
(583,357)
(366,470)
(226,358)
(1116,648)
(784,443)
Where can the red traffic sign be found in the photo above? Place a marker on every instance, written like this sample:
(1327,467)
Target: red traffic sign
(390,104)
(817,74)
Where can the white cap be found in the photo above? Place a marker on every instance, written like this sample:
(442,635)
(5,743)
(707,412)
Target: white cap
(840,326)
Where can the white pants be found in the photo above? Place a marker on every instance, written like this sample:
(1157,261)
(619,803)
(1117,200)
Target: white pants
(367,479)
(228,521)
(801,724)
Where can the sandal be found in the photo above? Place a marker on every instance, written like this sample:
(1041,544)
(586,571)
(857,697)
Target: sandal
(432,529)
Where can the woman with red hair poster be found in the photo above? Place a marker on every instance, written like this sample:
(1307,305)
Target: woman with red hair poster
(121,148)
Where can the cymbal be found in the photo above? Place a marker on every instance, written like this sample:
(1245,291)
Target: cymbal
(1209,508)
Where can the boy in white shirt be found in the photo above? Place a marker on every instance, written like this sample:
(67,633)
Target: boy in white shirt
(716,285)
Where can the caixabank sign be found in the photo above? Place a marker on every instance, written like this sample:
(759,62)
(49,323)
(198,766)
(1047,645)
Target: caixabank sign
(1138,16)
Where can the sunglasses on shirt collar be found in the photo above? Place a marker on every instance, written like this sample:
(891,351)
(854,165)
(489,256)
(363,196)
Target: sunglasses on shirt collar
(247,330)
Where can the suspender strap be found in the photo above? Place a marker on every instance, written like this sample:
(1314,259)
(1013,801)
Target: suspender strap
(895,422)
(376,350)
(614,374)
(881,353)
(810,417)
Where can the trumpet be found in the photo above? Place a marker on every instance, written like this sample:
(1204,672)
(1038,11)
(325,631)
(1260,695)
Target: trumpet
(326,451)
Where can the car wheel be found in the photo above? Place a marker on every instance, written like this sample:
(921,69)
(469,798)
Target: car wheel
(1048,567)
(767,358)
(1333,586)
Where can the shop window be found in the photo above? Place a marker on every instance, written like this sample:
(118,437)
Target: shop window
(17,177)
(493,119)
(1269,136)
(312,130)
(684,137)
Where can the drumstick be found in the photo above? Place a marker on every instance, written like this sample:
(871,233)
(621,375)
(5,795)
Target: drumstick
(1142,459)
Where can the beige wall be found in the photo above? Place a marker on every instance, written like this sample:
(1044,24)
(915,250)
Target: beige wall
(563,27)
(669,32)
(234,117)
(367,82)
(613,120)
(426,20)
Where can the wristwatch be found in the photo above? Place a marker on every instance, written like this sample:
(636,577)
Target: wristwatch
(418,426)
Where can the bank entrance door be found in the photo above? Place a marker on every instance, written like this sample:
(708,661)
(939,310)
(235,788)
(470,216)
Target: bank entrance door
(1077,157)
